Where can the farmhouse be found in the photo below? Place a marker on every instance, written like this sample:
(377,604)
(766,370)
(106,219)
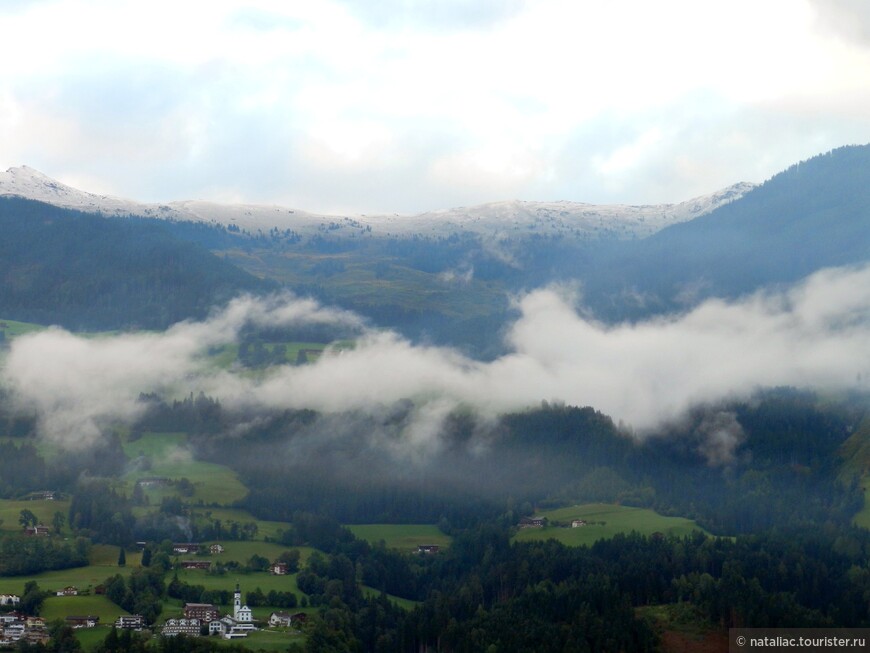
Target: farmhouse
(88,621)
(533,522)
(278,568)
(428,548)
(9,599)
(185,547)
(42,495)
(196,564)
(278,619)
(214,549)
(71,590)
(577,523)
(37,531)
(154,481)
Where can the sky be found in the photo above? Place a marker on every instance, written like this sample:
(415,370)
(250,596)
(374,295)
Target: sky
(404,106)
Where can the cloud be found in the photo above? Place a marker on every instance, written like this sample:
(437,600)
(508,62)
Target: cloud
(814,334)
(76,384)
(847,19)
(407,106)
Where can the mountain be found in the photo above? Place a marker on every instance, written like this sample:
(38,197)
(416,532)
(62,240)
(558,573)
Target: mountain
(84,271)
(494,220)
(814,215)
(447,276)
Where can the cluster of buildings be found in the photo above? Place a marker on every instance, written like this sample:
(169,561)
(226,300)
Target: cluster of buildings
(203,617)
(16,627)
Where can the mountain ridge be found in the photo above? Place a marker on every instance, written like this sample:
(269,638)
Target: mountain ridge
(502,219)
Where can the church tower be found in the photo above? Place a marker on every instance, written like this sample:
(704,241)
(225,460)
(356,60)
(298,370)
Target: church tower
(237,602)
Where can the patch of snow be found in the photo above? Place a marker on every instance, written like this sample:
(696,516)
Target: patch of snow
(513,219)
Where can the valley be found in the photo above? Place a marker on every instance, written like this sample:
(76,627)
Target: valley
(440,437)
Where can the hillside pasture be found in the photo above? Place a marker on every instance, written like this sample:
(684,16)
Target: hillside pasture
(242,551)
(167,455)
(60,607)
(13,329)
(404,537)
(10,511)
(265,528)
(603,522)
(248,582)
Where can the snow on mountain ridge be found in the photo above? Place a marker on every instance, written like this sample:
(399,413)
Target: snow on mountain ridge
(506,219)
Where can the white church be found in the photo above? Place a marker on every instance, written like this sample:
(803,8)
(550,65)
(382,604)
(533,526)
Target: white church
(236,626)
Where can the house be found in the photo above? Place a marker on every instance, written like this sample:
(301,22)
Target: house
(130,622)
(279,619)
(154,481)
(202,611)
(39,530)
(428,548)
(68,591)
(14,631)
(196,564)
(577,523)
(88,621)
(174,627)
(533,522)
(42,495)
(37,635)
(9,599)
(215,549)
(185,547)
(278,569)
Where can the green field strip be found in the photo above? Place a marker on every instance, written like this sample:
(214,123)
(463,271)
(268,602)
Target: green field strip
(616,519)
(404,537)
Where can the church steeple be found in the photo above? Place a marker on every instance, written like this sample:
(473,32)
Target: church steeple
(237,602)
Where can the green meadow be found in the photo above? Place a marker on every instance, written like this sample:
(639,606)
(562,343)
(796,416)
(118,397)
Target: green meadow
(60,607)
(168,455)
(103,563)
(603,522)
(405,604)
(10,512)
(405,537)
(12,329)
(265,528)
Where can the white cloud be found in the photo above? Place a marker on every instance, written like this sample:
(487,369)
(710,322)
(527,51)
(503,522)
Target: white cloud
(416,105)
(816,334)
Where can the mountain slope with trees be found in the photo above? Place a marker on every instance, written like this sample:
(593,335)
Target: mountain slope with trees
(86,272)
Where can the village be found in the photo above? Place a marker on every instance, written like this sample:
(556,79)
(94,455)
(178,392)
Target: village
(196,619)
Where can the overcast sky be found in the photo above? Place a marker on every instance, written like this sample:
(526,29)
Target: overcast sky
(404,106)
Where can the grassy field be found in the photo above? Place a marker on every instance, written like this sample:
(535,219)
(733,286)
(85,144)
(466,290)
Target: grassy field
(405,604)
(60,607)
(264,528)
(604,521)
(104,563)
(10,511)
(12,328)
(242,551)
(855,454)
(405,537)
(169,456)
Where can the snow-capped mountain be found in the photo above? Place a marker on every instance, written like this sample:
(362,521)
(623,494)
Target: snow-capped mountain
(509,219)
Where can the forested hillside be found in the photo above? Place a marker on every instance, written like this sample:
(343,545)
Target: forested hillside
(87,272)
